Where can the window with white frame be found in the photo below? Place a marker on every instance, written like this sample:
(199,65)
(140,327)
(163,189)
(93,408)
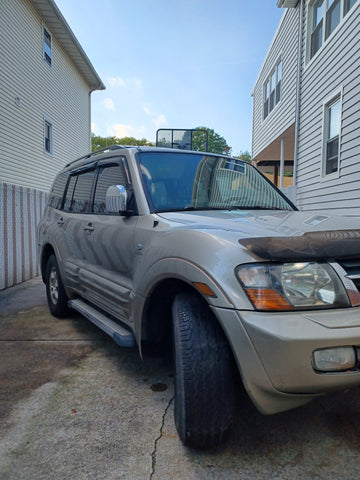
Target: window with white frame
(332,128)
(47,46)
(324,17)
(48,136)
(272,89)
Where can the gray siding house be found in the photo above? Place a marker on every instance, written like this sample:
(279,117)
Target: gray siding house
(46,81)
(306,114)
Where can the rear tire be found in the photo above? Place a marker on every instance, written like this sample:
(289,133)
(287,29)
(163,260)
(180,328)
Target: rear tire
(204,383)
(55,292)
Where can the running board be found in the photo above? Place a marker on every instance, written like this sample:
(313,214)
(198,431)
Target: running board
(119,334)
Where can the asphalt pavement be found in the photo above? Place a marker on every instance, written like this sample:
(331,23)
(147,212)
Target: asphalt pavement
(74,405)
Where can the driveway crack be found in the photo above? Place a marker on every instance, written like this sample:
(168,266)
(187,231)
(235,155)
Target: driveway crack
(154,452)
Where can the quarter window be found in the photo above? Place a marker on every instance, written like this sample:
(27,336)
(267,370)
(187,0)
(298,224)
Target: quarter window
(47,47)
(57,191)
(332,136)
(272,89)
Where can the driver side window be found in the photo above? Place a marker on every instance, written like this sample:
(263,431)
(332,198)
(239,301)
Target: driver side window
(107,176)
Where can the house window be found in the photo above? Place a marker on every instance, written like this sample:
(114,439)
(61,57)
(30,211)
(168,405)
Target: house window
(332,136)
(48,137)
(348,4)
(47,50)
(324,17)
(332,16)
(272,89)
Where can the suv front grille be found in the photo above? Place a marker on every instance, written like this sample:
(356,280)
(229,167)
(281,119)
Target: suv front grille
(352,268)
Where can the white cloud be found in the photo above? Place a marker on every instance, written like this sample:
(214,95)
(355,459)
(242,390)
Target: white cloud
(159,120)
(95,128)
(109,104)
(118,130)
(148,111)
(116,82)
(134,83)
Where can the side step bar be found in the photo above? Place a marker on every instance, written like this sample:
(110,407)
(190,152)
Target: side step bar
(119,334)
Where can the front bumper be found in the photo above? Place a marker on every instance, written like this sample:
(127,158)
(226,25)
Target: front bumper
(274,353)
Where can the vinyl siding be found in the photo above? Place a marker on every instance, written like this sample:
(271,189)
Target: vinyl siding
(334,68)
(58,93)
(284,46)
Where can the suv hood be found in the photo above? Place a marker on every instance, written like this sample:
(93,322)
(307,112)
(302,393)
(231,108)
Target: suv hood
(280,235)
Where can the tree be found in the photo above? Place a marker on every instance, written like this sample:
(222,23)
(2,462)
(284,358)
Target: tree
(98,142)
(216,143)
(245,156)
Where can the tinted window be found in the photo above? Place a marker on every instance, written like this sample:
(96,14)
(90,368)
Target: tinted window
(82,193)
(176,181)
(57,191)
(70,193)
(108,175)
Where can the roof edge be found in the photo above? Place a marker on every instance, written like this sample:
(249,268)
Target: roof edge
(52,16)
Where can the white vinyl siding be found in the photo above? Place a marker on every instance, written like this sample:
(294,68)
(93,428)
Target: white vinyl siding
(336,68)
(284,48)
(29,89)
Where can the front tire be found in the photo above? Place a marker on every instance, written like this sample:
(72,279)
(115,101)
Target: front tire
(55,292)
(204,383)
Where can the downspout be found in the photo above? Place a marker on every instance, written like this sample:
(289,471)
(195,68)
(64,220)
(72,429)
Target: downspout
(90,146)
(297,107)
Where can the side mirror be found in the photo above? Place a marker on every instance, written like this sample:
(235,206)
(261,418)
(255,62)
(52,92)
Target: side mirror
(116,199)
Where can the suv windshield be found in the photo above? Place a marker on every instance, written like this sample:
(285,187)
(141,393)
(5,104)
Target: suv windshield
(191,181)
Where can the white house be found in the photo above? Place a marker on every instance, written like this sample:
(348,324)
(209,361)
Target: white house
(306,104)
(46,81)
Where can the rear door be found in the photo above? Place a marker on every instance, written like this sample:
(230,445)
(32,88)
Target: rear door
(74,251)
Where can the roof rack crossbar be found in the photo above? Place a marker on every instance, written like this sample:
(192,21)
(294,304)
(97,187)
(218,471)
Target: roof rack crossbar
(97,152)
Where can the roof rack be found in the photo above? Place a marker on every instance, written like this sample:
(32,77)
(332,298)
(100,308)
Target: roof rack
(97,152)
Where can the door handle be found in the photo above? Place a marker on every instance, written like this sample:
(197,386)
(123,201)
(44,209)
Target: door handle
(60,222)
(89,228)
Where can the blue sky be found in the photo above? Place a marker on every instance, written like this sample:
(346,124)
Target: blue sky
(174,63)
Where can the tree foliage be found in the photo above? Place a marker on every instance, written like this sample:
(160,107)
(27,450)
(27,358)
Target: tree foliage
(216,143)
(98,142)
(245,156)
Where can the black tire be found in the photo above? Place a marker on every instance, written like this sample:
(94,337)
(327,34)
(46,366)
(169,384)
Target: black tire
(203,371)
(55,292)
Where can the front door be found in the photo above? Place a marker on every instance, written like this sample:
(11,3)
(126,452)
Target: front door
(106,276)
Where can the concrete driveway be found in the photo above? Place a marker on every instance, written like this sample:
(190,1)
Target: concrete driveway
(73,405)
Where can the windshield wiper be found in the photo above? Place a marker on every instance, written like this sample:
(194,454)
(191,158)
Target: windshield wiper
(253,207)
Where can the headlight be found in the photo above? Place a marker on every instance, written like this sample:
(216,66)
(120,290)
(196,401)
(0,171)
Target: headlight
(292,286)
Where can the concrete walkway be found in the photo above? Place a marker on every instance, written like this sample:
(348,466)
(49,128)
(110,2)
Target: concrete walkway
(73,405)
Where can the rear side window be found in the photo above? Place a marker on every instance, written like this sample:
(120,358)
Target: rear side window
(57,191)
(81,196)
(107,176)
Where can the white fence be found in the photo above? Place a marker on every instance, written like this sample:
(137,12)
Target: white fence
(20,211)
